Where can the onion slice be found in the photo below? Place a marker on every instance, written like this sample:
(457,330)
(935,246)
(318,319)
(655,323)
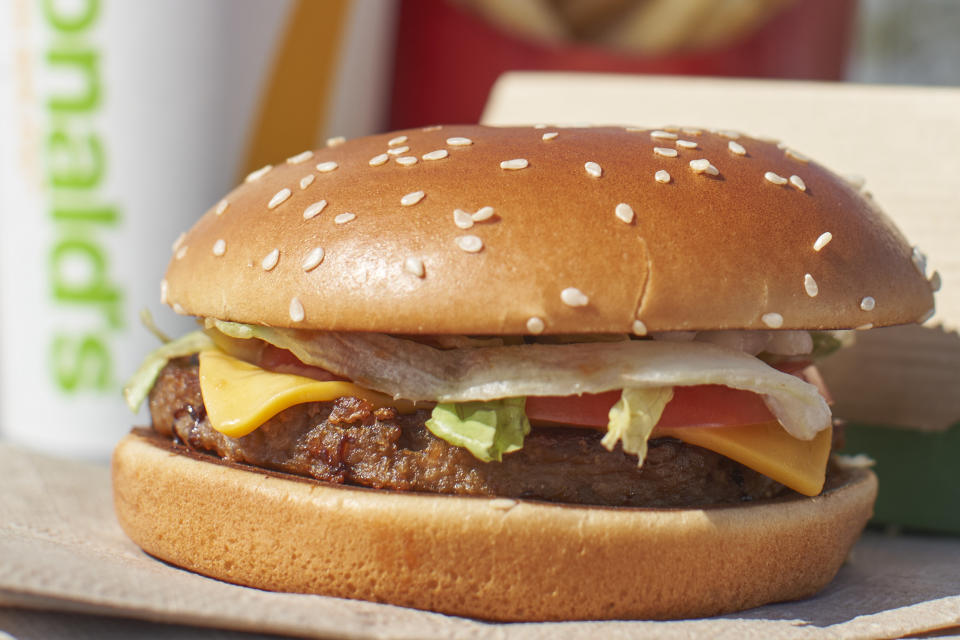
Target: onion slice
(415,371)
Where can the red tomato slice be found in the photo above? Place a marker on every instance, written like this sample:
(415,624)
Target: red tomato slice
(697,406)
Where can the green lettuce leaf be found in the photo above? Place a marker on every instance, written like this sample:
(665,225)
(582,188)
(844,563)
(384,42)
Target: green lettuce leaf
(633,417)
(486,429)
(143,380)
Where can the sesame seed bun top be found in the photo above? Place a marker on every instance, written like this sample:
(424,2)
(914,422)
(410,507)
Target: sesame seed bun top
(470,229)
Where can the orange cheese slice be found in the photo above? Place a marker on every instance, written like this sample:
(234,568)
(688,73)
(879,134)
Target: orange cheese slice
(239,396)
(767,448)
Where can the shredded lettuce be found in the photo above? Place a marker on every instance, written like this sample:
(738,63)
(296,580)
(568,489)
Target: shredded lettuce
(143,380)
(633,417)
(486,429)
(826,343)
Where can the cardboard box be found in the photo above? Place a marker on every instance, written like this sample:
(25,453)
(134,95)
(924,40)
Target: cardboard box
(901,140)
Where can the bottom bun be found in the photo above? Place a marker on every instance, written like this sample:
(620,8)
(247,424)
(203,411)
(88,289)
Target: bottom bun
(490,558)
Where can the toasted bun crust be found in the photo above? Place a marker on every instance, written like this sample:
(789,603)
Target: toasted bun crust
(730,251)
(487,558)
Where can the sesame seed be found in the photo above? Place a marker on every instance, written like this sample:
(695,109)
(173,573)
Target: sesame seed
(433,127)
(178,309)
(470,244)
(164,288)
(535,325)
(219,247)
(407,161)
(314,209)
(540,126)
(702,165)
(414,265)
(376,161)
(313,259)
(635,129)
(593,169)
(929,314)
(822,241)
(639,328)
(918,257)
(394,142)
(335,141)
(727,133)
(397,151)
(736,147)
(864,327)
(439,154)
(773,178)
(462,219)
(278,198)
(412,198)
(182,252)
(550,135)
(296,310)
(459,142)
(482,214)
(516,163)
(270,260)
(686,144)
(344,218)
(624,212)
(300,157)
(868,303)
(810,285)
(662,135)
(259,173)
(665,152)
(691,131)
(798,182)
(221,207)
(573,297)
(935,281)
(772,320)
(796,155)
(327,167)
(306,180)
(855,181)
(502,504)
(662,176)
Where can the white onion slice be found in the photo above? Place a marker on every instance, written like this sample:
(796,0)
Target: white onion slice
(415,371)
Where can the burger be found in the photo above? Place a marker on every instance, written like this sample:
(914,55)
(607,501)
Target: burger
(531,373)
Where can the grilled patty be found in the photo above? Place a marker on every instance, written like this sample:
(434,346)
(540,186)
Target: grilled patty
(348,441)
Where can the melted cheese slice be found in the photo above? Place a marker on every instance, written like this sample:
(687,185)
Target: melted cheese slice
(767,448)
(239,397)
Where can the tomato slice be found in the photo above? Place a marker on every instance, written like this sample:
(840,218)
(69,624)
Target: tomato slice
(587,410)
(696,406)
(701,406)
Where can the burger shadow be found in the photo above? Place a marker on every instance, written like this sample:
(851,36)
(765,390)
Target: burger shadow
(883,573)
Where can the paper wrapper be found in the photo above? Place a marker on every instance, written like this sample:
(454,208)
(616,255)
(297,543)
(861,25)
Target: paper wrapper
(62,549)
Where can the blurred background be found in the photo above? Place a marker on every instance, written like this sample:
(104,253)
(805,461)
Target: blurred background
(121,122)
